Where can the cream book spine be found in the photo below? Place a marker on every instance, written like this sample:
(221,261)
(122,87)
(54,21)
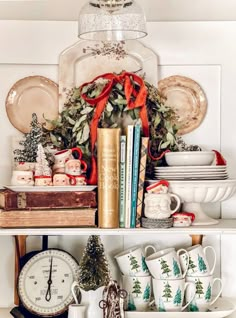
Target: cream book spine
(108,158)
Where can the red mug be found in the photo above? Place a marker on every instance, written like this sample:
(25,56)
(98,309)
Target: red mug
(75,167)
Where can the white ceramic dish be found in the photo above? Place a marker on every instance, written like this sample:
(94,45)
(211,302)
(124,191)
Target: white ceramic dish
(205,173)
(190,158)
(223,307)
(181,168)
(84,188)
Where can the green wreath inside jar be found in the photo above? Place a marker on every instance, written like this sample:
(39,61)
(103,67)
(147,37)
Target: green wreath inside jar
(73,126)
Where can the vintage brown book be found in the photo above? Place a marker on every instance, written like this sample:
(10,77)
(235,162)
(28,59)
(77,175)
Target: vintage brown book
(108,154)
(11,200)
(48,218)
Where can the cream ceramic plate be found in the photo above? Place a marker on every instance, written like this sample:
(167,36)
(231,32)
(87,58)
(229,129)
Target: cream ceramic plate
(222,308)
(84,188)
(33,94)
(191,168)
(188,100)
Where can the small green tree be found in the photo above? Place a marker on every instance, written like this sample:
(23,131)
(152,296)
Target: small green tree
(146,294)
(144,265)
(199,288)
(208,293)
(178,297)
(131,305)
(93,268)
(193,306)
(191,265)
(176,269)
(137,288)
(201,264)
(167,293)
(28,152)
(134,263)
(161,306)
(164,267)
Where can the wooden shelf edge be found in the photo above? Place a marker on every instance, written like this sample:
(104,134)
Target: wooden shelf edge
(226,226)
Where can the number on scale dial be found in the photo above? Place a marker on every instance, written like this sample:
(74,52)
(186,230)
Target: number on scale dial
(44,285)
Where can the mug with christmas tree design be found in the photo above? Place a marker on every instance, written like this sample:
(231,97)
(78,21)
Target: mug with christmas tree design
(139,290)
(165,264)
(198,264)
(132,261)
(203,298)
(169,294)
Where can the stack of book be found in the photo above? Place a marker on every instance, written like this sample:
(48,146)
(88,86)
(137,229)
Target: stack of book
(47,209)
(132,176)
(121,176)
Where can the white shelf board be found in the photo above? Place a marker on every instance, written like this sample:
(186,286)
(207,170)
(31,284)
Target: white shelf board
(226,226)
(5,313)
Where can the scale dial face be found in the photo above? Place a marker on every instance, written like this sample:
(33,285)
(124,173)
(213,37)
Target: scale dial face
(44,284)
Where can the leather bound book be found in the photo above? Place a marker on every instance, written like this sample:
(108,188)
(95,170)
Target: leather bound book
(108,157)
(10,200)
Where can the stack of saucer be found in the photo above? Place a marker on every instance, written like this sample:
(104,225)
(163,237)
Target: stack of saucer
(191,173)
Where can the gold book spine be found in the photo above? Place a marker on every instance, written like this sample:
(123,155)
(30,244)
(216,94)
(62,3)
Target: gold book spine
(108,157)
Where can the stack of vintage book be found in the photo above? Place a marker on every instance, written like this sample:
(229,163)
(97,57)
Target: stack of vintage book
(47,209)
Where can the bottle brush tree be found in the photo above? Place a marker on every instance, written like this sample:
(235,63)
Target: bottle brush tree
(93,268)
(29,145)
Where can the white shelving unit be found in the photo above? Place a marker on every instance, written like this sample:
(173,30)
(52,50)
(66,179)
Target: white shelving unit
(224,227)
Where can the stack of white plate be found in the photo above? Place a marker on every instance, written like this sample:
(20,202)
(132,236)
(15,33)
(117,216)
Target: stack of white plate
(191,173)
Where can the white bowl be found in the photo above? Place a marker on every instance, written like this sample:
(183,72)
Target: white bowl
(190,158)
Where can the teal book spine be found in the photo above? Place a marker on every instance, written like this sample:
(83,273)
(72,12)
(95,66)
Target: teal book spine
(122,179)
(135,175)
(128,181)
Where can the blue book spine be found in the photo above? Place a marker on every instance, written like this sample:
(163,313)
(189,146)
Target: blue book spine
(135,175)
(122,179)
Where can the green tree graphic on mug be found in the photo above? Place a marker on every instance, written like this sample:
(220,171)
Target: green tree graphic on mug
(201,264)
(193,306)
(191,265)
(208,293)
(134,263)
(178,297)
(161,306)
(167,293)
(199,288)
(176,268)
(131,305)
(144,265)
(137,288)
(164,267)
(146,294)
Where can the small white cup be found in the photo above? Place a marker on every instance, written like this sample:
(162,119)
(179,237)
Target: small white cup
(22,178)
(198,264)
(139,290)
(132,261)
(165,264)
(76,311)
(169,294)
(204,287)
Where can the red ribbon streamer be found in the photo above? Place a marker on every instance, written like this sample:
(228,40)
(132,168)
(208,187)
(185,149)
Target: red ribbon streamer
(135,99)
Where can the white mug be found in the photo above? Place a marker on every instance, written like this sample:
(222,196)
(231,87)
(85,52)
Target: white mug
(132,261)
(76,311)
(23,178)
(203,298)
(165,264)
(169,294)
(158,205)
(139,290)
(197,263)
